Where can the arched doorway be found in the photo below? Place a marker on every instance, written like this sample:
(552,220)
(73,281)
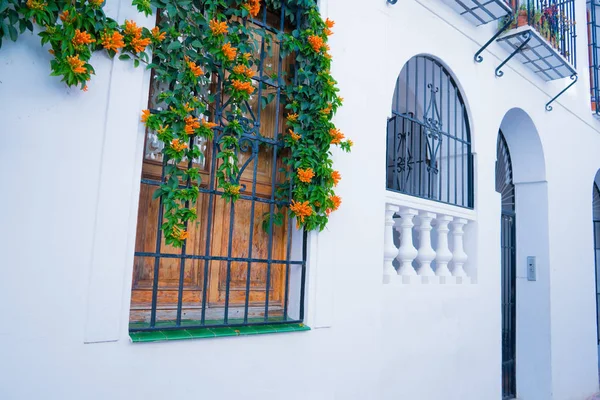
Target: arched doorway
(506,188)
(525,311)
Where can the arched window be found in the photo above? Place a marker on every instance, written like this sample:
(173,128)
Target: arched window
(428,136)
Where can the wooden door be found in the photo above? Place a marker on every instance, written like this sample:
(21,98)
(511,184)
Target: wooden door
(233,233)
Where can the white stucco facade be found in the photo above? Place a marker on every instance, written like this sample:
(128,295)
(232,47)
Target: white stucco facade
(70,166)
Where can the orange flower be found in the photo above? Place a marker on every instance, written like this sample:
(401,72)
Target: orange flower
(329,23)
(336,136)
(64,15)
(229,51)
(51,51)
(82,38)
(191,124)
(187,107)
(341,99)
(327,110)
(337,201)
(316,43)
(36,4)
(140,44)
(243,70)
(328,31)
(217,28)
(77,65)
(96,3)
(179,233)
(158,35)
(84,88)
(305,175)
(132,29)
(112,41)
(178,145)
(196,70)
(292,117)
(242,86)
(247,56)
(337,177)
(294,135)
(301,210)
(145,115)
(209,125)
(350,143)
(253,7)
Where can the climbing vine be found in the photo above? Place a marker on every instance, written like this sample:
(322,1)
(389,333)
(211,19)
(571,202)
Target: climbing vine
(193,44)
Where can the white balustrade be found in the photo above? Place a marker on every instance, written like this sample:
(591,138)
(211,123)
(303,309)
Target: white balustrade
(429,246)
(407,251)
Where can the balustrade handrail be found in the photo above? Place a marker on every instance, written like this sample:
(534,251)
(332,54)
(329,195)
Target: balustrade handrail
(424,241)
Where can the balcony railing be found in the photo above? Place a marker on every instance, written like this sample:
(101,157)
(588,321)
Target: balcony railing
(593,20)
(554,20)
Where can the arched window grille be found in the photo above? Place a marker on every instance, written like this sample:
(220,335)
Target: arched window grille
(428,136)
(504,176)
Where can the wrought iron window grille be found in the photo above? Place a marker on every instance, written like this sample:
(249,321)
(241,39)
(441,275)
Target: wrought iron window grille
(593,13)
(428,136)
(236,269)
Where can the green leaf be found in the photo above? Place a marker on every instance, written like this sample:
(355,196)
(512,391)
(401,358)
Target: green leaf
(174,46)
(12,32)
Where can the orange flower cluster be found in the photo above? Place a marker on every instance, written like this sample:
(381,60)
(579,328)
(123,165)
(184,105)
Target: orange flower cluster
(326,110)
(337,177)
(178,145)
(179,233)
(63,15)
(316,42)
(196,70)
(112,41)
(253,7)
(36,5)
(242,86)
(137,42)
(305,175)
(243,70)
(132,29)
(191,124)
(145,115)
(140,44)
(82,38)
(292,117)
(301,210)
(229,51)
(217,28)
(158,35)
(77,65)
(208,125)
(96,3)
(336,136)
(337,201)
(294,135)
(329,23)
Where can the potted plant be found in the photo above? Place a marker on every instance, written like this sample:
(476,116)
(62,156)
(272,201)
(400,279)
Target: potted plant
(522,16)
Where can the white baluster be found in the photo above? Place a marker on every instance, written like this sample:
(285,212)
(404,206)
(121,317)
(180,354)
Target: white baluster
(426,254)
(390,250)
(407,251)
(459,257)
(443,253)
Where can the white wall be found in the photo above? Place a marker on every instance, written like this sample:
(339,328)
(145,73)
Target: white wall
(70,165)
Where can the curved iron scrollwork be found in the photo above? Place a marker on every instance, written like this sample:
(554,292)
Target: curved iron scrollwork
(428,136)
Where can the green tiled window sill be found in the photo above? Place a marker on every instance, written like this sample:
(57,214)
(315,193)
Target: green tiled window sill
(203,333)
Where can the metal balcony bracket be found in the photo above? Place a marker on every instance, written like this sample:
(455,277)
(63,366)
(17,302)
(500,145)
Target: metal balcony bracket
(574,78)
(392,2)
(478,58)
(527,37)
